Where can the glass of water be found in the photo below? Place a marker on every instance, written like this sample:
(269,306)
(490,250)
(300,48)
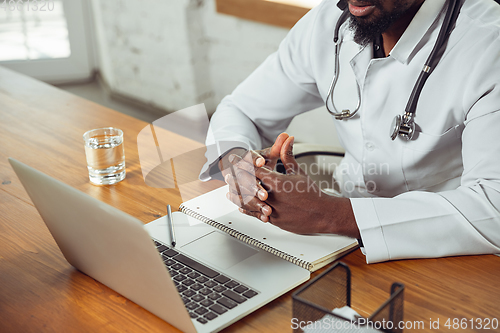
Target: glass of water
(105,155)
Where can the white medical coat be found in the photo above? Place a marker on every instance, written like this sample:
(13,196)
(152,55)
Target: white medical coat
(437,195)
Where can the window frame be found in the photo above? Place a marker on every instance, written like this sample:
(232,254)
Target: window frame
(282,13)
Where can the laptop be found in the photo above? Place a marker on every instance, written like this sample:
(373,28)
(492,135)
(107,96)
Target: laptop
(136,260)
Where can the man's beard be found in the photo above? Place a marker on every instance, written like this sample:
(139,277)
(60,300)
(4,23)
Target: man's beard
(366,30)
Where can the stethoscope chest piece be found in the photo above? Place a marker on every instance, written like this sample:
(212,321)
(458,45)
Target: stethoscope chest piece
(403,126)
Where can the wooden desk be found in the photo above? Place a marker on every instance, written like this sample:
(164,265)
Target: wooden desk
(40,292)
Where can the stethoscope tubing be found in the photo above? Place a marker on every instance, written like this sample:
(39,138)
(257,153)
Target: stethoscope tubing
(433,59)
(346,114)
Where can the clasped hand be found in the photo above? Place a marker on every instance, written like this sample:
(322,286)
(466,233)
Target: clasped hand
(291,201)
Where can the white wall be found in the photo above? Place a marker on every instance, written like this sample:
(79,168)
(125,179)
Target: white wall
(177,53)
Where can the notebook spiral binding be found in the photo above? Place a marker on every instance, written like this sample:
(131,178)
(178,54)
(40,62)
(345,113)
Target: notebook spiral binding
(244,238)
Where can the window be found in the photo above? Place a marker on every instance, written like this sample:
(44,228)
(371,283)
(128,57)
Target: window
(46,39)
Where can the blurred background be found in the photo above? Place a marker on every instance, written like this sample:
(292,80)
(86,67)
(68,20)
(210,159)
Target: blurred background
(148,58)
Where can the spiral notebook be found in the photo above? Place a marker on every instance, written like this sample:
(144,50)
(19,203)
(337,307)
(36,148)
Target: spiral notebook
(307,251)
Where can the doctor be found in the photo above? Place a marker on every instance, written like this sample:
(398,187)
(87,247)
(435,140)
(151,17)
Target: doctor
(437,194)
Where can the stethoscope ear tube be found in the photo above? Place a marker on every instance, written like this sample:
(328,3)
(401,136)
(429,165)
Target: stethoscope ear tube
(344,114)
(342,4)
(405,127)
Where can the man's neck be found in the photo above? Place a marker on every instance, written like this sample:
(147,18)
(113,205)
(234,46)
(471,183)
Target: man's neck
(394,33)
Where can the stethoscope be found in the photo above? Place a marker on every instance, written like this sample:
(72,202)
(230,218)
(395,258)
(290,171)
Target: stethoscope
(403,125)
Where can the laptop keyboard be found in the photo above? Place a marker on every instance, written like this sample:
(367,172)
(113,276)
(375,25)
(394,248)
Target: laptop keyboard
(206,293)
